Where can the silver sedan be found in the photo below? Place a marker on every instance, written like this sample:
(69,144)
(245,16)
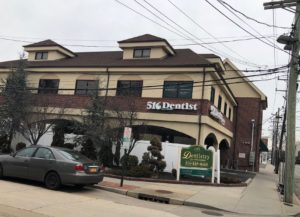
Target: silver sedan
(52,165)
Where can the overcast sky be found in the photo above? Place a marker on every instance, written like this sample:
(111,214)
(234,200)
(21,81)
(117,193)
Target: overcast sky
(101,23)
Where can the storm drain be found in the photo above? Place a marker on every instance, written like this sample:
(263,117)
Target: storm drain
(154,198)
(212,213)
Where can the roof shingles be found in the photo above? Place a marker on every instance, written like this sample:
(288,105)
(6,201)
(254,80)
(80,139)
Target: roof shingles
(183,58)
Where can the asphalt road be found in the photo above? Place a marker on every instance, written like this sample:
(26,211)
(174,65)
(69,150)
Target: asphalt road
(297,180)
(23,198)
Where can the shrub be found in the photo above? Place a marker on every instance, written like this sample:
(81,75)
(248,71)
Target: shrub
(156,160)
(140,171)
(132,161)
(20,145)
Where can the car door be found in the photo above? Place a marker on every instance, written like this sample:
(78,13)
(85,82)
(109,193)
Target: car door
(42,161)
(17,165)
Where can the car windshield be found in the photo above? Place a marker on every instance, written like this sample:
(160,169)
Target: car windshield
(73,155)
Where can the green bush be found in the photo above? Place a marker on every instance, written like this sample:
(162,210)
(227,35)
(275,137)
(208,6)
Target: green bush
(140,171)
(132,161)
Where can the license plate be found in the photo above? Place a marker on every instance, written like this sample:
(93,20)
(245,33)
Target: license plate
(93,170)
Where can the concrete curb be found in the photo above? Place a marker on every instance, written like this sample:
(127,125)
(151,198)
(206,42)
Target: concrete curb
(171,200)
(243,184)
(114,190)
(248,181)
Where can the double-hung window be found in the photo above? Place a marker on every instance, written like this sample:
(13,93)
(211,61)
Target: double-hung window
(141,53)
(86,87)
(225,109)
(129,88)
(48,86)
(178,89)
(41,55)
(212,95)
(220,103)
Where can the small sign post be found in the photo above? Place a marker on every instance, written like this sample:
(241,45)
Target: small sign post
(125,145)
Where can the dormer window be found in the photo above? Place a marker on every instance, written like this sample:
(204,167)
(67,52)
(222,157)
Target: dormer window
(141,53)
(41,55)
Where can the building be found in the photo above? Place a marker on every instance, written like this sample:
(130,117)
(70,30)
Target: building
(179,95)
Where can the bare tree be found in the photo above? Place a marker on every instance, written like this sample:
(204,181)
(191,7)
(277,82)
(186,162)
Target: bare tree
(42,117)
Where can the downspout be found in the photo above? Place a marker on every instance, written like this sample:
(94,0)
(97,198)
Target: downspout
(201,106)
(107,82)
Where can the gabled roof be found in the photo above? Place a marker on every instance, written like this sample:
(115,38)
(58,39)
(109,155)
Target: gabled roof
(48,43)
(147,38)
(45,43)
(143,38)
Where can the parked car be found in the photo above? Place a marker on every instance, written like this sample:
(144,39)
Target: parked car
(52,165)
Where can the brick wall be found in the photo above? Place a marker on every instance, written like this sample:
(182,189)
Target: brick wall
(248,109)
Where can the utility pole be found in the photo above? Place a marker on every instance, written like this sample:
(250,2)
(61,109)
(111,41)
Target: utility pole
(291,99)
(276,162)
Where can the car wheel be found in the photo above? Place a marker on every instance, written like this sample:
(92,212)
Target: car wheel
(52,181)
(1,171)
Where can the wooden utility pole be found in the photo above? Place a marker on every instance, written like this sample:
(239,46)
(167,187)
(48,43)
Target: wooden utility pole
(291,99)
(276,154)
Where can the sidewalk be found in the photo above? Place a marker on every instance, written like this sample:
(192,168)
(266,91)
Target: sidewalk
(260,197)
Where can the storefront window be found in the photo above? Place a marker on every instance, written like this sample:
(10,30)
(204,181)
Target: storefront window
(178,89)
(48,86)
(129,88)
(86,87)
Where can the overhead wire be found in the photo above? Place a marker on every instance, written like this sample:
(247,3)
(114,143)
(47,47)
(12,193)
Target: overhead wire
(238,25)
(115,46)
(203,29)
(208,48)
(253,19)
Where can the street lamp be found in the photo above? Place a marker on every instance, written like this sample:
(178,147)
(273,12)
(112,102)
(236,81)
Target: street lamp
(252,154)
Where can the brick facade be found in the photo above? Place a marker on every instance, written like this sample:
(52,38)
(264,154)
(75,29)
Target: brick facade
(247,109)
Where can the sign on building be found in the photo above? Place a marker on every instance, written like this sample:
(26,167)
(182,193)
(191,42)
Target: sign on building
(171,106)
(196,161)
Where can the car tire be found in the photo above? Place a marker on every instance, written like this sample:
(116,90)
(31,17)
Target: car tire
(52,181)
(1,171)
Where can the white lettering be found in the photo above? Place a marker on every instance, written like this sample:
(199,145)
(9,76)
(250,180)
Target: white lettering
(170,106)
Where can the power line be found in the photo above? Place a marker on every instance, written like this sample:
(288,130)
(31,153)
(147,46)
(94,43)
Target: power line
(203,29)
(115,46)
(217,80)
(255,20)
(155,87)
(210,49)
(241,26)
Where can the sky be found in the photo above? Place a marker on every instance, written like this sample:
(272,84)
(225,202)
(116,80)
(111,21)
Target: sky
(97,25)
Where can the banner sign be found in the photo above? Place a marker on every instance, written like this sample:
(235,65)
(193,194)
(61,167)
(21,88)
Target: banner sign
(196,161)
